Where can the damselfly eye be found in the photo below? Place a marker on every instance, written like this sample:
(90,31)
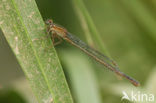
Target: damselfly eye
(49,22)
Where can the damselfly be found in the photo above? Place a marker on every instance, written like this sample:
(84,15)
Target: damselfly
(57,31)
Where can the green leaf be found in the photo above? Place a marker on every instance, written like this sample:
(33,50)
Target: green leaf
(82,77)
(24,29)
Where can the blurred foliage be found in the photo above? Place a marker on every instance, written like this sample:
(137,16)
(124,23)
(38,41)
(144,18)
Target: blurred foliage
(127,27)
(8,95)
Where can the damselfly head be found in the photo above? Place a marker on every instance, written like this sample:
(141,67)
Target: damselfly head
(49,22)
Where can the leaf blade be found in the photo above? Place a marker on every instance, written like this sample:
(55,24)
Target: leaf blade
(21,24)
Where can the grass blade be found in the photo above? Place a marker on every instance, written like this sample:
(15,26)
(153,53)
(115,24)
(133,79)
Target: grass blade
(83,80)
(88,26)
(22,25)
